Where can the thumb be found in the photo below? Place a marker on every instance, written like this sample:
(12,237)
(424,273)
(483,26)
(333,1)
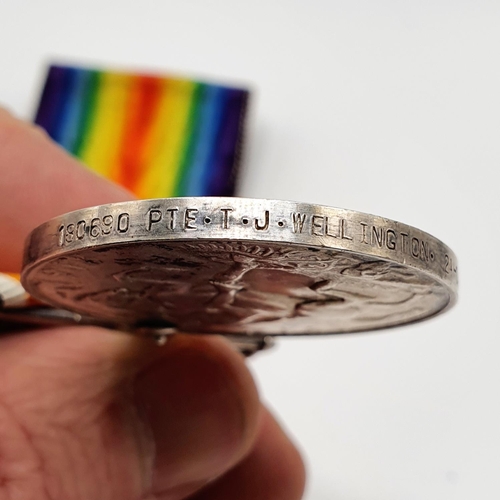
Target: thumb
(89,413)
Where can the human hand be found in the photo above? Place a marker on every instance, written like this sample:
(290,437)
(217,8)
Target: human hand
(91,414)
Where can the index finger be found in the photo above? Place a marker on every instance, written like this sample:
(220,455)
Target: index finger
(38,181)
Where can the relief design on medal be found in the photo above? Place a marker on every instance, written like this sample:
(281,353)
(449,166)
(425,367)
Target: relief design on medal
(217,286)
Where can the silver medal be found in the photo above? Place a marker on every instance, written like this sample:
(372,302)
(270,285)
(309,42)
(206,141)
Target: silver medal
(240,267)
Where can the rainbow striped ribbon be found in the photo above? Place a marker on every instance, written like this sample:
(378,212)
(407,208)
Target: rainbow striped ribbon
(156,136)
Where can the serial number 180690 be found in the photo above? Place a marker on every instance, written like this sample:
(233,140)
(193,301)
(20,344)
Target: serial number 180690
(96,228)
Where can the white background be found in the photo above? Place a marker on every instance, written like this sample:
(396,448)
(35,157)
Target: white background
(386,107)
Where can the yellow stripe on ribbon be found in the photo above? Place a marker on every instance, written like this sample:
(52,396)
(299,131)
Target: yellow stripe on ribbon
(102,148)
(166,141)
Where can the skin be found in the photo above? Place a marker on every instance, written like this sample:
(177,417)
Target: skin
(89,413)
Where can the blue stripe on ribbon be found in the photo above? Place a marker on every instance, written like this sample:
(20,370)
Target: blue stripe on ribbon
(201,168)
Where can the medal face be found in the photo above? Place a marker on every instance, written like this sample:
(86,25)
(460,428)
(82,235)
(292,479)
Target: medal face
(239,266)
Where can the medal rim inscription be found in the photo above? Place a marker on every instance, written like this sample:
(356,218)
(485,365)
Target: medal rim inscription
(247,220)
